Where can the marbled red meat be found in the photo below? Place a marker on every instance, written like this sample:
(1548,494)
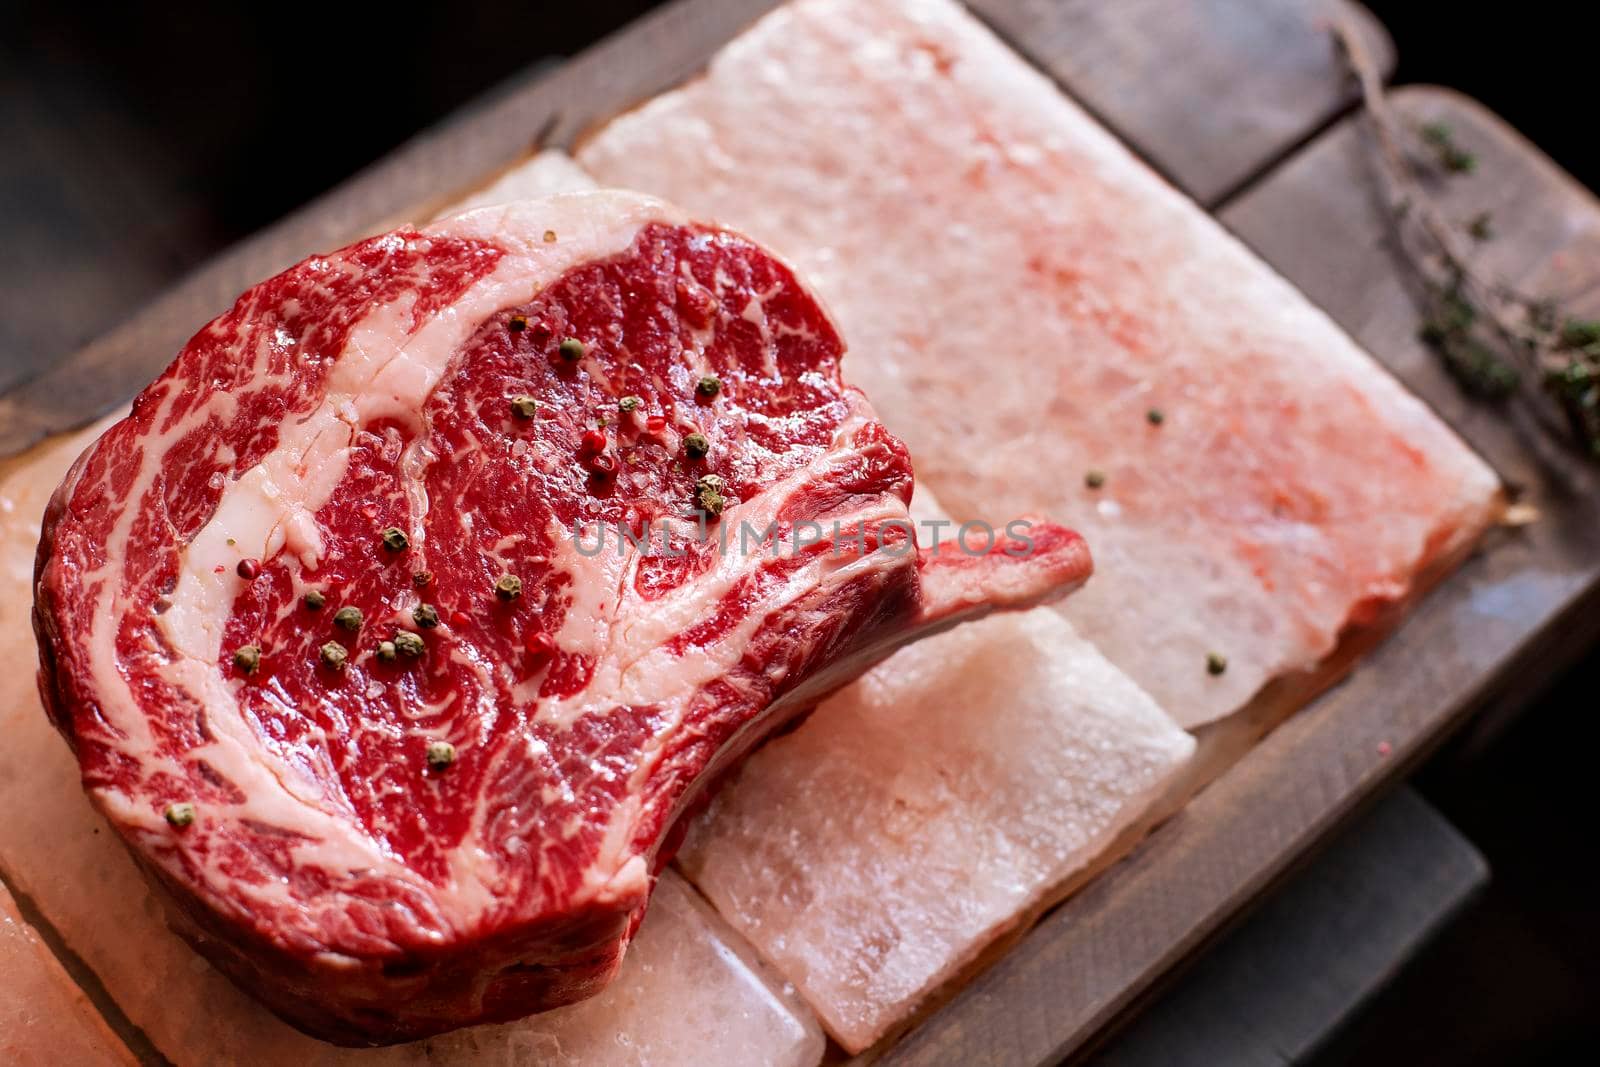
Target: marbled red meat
(319,621)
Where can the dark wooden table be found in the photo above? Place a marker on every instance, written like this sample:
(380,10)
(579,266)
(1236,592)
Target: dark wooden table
(1242,104)
(1273,990)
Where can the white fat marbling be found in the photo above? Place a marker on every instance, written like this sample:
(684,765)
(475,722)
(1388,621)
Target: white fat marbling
(688,993)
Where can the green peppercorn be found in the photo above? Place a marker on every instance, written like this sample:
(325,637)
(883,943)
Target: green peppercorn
(629,403)
(333,655)
(395,539)
(708,386)
(348,618)
(247,658)
(708,494)
(422,579)
(426,616)
(572,349)
(180,814)
(408,644)
(313,600)
(1216,663)
(386,651)
(508,587)
(524,406)
(1155,416)
(1095,479)
(695,446)
(441,754)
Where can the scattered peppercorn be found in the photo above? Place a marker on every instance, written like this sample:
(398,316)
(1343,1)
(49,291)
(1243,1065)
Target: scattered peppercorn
(180,815)
(524,406)
(1216,663)
(333,655)
(1155,416)
(695,446)
(1095,479)
(422,579)
(508,587)
(549,237)
(629,403)
(349,618)
(441,754)
(386,651)
(708,494)
(395,539)
(518,323)
(708,386)
(249,569)
(247,658)
(313,600)
(572,350)
(409,644)
(425,616)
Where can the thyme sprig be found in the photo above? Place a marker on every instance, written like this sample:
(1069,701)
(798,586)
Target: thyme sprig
(1498,343)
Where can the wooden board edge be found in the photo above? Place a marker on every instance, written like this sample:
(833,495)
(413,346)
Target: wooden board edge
(648,55)
(1424,93)
(85,985)
(1241,1000)
(1222,745)
(1362,755)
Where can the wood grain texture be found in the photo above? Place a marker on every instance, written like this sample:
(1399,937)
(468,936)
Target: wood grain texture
(1263,68)
(652,54)
(1192,95)
(1208,91)
(1516,610)
(1279,985)
(84,241)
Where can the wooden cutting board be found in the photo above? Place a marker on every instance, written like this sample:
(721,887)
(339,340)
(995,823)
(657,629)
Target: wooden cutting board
(1217,94)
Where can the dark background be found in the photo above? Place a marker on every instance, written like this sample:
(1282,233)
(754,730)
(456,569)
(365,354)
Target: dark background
(135,140)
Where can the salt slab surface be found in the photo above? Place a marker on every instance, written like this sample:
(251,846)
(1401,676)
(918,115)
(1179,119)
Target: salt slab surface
(44,1017)
(1053,329)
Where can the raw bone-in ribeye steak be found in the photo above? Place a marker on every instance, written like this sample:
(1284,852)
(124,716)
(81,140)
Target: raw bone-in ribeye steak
(406,754)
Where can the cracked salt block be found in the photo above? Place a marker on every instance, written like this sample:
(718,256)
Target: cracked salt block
(689,993)
(872,854)
(544,173)
(44,1016)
